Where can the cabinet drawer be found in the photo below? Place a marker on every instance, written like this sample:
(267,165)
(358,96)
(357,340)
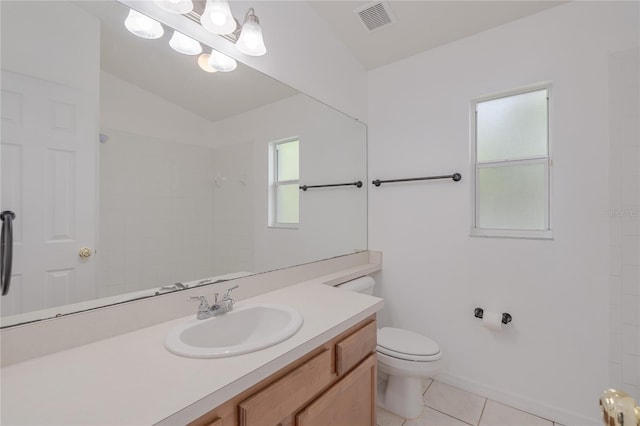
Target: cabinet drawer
(286,395)
(353,349)
(350,402)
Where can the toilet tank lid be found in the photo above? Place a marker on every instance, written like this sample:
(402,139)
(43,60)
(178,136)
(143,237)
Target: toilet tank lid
(406,342)
(359,285)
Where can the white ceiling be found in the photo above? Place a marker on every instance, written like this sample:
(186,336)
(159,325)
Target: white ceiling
(419,25)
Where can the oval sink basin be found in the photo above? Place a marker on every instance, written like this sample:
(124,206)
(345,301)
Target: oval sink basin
(245,329)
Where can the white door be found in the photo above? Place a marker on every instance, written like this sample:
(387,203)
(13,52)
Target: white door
(49,148)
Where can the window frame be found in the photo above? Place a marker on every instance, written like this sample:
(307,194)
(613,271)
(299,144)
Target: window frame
(274,183)
(476,166)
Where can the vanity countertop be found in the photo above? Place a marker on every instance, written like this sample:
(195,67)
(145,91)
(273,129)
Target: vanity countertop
(131,379)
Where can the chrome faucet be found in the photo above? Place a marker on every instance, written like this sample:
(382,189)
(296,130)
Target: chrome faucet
(205,311)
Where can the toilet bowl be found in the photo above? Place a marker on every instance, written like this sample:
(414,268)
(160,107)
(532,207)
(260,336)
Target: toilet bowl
(406,357)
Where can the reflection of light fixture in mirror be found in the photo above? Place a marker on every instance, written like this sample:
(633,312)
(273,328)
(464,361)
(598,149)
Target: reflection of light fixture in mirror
(250,41)
(143,26)
(217,17)
(184,44)
(221,62)
(203,62)
(175,6)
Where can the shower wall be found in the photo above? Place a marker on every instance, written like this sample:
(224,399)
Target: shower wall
(624,217)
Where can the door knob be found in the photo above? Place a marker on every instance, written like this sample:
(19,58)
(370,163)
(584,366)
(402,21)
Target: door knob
(85,253)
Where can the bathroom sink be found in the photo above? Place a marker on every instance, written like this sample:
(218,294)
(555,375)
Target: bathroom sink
(245,329)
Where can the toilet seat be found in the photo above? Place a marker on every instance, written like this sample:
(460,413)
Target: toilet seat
(407,345)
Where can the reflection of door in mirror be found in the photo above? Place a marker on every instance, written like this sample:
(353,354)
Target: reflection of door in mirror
(47,151)
(48,171)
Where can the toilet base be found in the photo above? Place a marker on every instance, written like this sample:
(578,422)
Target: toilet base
(402,396)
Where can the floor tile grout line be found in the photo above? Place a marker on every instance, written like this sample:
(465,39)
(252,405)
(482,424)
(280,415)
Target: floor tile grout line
(522,411)
(482,412)
(428,386)
(454,417)
(448,415)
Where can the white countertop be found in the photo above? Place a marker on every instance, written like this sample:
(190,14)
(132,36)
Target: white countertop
(131,379)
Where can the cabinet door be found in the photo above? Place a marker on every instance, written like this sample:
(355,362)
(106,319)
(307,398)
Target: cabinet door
(350,402)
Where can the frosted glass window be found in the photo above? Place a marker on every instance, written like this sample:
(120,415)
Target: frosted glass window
(512,165)
(284,195)
(288,168)
(512,197)
(288,197)
(512,127)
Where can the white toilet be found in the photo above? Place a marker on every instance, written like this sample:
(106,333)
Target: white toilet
(407,357)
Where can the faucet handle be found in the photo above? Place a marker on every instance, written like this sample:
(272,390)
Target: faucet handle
(203,309)
(204,304)
(227,293)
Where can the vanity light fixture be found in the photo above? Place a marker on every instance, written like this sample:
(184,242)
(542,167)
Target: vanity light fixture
(184,44)
(217,17)
(179,7)
(221,62)
(203,63)
(143,26)
(250,41)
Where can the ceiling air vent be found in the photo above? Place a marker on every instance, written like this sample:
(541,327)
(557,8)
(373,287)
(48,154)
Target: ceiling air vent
(375,15)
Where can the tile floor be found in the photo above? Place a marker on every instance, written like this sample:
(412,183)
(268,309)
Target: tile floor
(446,405)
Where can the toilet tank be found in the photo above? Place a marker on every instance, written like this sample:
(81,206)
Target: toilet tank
(361,285)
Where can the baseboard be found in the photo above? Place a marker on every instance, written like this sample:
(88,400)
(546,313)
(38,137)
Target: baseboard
(520,402)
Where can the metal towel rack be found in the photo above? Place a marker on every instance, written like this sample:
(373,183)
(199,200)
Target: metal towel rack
(456,177)
(6,247)
(357,184)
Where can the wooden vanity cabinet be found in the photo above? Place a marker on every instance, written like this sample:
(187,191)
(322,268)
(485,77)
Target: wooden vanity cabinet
(333,385)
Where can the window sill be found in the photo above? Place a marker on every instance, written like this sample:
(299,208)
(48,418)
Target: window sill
(546,234)
(284,225)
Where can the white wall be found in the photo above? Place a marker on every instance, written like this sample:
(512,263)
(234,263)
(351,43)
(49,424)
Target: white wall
(554,358)
(332,150)
(302,52)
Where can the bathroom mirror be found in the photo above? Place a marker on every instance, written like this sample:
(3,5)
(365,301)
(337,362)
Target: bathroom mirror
(133,173)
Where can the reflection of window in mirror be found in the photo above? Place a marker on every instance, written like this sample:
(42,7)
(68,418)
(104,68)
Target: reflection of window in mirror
(284,193)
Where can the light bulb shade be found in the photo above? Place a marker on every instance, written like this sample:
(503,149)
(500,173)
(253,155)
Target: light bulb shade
(184,44)
(203,63)
(178,7)
(143,26)
(221,62)
(250,41)
(217,17)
